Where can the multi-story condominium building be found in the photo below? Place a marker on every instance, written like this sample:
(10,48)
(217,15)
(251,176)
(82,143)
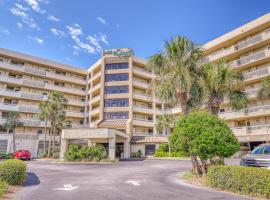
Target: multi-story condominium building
(248,50)
(24,82)
(116,93)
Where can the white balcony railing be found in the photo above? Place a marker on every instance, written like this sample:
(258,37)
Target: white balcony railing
(244,44)
(256,74)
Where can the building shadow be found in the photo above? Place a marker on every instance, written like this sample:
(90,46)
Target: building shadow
(31,179)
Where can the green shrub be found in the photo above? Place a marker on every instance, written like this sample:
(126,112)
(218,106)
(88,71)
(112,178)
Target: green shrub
(3,187)
(9,156)
(2,156)
(163,151)
(137,154)
(13,171)
(161,154)
(244,180)
(75,152)
(56,155)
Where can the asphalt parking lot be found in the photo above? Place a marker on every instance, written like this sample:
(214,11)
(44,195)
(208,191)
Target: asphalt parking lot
(143,180)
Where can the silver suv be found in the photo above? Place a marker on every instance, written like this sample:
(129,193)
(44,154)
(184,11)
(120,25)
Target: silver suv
(259,157)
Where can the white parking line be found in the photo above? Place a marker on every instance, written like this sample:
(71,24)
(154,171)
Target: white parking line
(67,187)
(134,183)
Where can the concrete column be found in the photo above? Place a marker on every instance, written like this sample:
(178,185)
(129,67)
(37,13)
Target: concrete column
(112,148)
(126,148)
(63,148)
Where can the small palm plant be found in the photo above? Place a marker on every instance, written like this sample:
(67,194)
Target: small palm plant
(13,121)
(166,122)
(44,116)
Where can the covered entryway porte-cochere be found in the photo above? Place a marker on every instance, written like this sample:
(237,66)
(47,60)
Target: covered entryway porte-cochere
(96,136)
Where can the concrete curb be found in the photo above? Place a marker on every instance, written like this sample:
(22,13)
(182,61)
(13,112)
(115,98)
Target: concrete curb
(84,163)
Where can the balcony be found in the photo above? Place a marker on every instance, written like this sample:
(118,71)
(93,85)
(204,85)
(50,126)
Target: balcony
(9,107)
(33,83)
(141,83)
(255,130)
(95,99)
(143,72)
(10,79)
(142,96)
(75,102)
(256,74)
(94,88)
(95,76)
(240,46)
(95,111)
(34,96)
(251,58)
(248,112)
(65,89)
(142,133)
(28,109)
(10,93)
(252,93)
(77,114)
(142,109)
(41,72)
(143,122)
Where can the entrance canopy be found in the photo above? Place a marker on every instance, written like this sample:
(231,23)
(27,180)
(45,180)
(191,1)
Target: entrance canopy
(95,135)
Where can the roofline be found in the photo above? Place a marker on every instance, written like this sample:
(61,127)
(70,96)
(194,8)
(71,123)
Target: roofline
(238,31)
(42,61)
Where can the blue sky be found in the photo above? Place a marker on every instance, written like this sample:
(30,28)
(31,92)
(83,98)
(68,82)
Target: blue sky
(75,32)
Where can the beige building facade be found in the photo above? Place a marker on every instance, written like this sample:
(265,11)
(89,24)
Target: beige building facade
(116,94)
(247,48)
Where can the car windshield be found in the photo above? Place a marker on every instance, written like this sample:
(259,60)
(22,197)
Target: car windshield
(258,150)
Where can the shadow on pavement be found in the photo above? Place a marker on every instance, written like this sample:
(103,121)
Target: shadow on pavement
(132,159)
(31,179)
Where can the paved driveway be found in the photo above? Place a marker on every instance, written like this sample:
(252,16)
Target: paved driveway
(142,180)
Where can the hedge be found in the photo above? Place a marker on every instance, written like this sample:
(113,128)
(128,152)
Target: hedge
(244,180)
(3,187)
(13,171)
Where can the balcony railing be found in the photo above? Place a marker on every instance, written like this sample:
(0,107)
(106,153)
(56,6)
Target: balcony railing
(143,119)
(244,44)
(250,58)
(256,73)
(41,72)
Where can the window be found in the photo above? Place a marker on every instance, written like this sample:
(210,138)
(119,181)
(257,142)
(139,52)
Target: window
(81,122)
(116,66)
(258,150)
(39,132)
(116,89)
(116,102)
(116,77)
(267,150)
(116,115)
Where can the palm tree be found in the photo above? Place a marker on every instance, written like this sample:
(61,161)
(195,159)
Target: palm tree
(220,80)
(13,121)
(264,91)
(176,65)
(44,116)
(56,106)
(166,122)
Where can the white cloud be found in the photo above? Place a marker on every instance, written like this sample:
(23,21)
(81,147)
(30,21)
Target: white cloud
(53,18)
(27,19)
(58,32)
(34,4)
(4,31)
(36,39)
(103,38)
(21,7)
(19,25)
(101,20)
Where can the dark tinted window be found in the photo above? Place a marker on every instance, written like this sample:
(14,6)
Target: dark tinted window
(116,115)
(116,77)
(258,150)
(116,89)
(116,103)
(267,150)
(116,66)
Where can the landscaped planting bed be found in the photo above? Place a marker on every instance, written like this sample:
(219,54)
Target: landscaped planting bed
(243,180)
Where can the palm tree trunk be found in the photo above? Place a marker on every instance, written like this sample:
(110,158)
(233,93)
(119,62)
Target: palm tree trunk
(183,99)
(49,148)
(214,109)
(53,137)
(13,141)
(45,136)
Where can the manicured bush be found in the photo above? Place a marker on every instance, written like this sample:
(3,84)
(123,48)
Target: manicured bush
(163,151)
(9,156)
(3,187)
(137,154)
(13,171)
(244,180)
(2,156)
(75,152)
